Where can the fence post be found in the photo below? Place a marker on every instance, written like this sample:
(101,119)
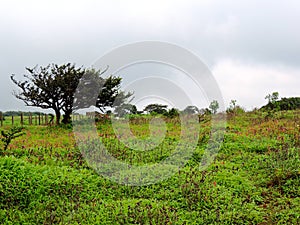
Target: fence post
(39,119)
(30,119)
(22,122)
(35,119)
(12,120)
(1,118)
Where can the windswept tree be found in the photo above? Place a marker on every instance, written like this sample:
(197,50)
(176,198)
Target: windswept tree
(103,93)
(54,87)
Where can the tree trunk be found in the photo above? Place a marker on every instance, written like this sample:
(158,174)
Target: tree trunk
(67,117)
(57,114)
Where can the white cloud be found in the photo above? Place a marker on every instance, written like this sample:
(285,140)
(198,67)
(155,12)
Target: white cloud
(250,83)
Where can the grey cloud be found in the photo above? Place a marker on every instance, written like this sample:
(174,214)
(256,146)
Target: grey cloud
(264,32)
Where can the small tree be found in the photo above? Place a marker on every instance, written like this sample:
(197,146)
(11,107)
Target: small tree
(8,136)
(272,98)
(125,109)
(214,106)
(173,113)
(272,101)
(191,109)
(234,108)
(232,104)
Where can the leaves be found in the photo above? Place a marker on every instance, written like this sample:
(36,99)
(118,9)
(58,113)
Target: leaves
(54,87)
(8,136)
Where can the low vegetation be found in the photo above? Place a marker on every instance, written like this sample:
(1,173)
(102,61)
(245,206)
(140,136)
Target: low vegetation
(254,178)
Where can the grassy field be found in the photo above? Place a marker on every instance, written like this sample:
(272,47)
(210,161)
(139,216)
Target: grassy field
(254,179)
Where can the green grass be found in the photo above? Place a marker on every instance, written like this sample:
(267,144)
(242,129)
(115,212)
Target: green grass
(254,179)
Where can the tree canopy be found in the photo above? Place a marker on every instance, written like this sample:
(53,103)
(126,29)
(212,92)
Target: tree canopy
(283,104)
(156,108)
(54,87)
(191,109)
(214,106)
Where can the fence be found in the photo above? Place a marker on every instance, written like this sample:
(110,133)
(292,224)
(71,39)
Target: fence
(32,119)
(29,119)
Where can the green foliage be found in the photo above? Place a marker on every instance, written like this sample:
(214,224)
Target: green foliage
(254,179)
(292,103)
(172,113)
(54,87)
(18,113)
(191,110)
(289,103)
(125,109)
(9,135)
(234,108)
(156,109)
(272,98)
(214,106)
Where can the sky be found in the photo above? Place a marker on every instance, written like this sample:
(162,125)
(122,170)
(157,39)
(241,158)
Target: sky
(251,47)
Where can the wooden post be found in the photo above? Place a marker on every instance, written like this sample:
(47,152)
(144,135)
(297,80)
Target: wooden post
(1,118)
(30,119)
(39,119)
(22,122)
(12,120)
(35,118)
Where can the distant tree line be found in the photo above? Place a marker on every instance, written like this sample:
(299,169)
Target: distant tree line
(284,104)
(291,103)
(159,109)
(18,113)
(57,87)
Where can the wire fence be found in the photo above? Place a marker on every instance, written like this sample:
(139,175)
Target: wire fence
(28,119)
(33,119)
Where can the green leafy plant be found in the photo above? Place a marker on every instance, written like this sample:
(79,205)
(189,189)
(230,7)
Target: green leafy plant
(9,135)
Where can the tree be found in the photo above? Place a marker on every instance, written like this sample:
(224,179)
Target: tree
(204,111)
(234,108)
(289,103)
(156,108)
(214,106)
(93,90)
(232,105)
(272,101)
(173,112)
(284,104)
(191,109)
(54,87)
(8,136)
(272,98)
(125,109)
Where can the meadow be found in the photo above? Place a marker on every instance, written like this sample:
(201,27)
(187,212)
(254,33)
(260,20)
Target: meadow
(254,178)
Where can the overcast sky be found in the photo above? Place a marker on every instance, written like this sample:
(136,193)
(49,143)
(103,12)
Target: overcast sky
(252,47)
